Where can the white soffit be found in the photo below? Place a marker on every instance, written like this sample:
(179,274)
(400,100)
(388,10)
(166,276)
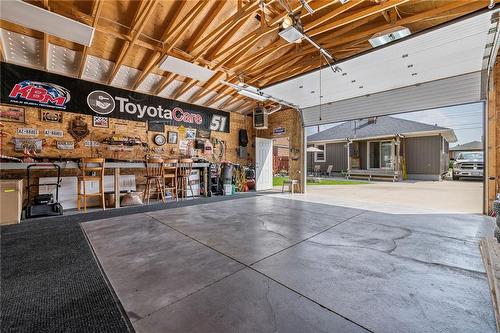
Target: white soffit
(63,61)
(448,51)
(97,69)
(20,49)
(185,68)
(36,18)
(149,84)
(125,77)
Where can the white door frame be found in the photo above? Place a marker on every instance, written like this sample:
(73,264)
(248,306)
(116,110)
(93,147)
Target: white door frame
(263,165)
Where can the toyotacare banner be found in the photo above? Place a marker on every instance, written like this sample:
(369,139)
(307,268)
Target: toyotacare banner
(30,87)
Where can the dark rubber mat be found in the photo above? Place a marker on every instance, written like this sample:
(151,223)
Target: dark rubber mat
(50,282)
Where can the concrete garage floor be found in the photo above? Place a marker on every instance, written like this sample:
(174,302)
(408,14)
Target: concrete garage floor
(267,264)
(415,197)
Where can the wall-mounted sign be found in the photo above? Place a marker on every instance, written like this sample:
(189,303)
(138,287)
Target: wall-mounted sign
(20,144)
(27,131)
(98,121)
(78,128)
(279,131)
(54,133)
(12,113)
(190,133)
(91,143)
(26,86)
(51,116)
(65,145)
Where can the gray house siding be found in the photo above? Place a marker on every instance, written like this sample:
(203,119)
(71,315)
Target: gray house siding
(423,157)
(336,155)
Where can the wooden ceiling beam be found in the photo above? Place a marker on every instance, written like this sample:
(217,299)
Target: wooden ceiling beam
(273,26)
(207,20)
(205,88)
(45,42)
(376,9)
(184,88)
(155,60)
(96,12)
(143,13)
(178,31)
(234,19)
(332,14)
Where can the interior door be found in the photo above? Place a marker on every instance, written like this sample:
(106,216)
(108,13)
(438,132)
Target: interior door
(263,164)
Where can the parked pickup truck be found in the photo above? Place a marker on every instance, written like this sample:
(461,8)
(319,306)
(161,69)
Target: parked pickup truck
(468,164)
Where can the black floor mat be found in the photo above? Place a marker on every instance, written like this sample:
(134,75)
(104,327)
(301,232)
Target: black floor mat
(50,282)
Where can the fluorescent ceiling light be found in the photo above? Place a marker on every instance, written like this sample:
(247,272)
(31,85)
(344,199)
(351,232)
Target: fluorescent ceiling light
(291,34)
(253,95)
(344,1)
(389,35)
(33,17)
(185,68)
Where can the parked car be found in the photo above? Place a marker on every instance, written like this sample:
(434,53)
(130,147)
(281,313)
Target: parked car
(468,164)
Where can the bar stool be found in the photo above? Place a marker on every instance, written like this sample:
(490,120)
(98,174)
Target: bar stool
(154,175)
(170,177)
(91,169)
(185,168)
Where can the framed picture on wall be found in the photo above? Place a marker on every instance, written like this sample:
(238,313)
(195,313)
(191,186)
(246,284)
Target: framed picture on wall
(51,116)
(191,133)
(12,113)
(203,134)
(172,137)
(102,122)
(155,126)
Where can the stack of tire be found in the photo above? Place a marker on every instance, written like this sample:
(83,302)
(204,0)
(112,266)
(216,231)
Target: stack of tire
(496,208)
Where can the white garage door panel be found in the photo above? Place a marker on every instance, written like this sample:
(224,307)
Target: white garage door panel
(445,92)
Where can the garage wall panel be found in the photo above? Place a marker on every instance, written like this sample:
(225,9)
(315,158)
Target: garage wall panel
(456,90)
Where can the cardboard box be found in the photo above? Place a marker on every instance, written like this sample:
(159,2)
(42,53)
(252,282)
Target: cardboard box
(11,200)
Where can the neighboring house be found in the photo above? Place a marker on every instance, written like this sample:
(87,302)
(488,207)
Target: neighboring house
(384,146)
(469,146)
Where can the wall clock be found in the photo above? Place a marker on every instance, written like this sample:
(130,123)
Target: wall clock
(160,139)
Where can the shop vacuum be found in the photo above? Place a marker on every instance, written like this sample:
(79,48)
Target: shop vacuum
(43,204)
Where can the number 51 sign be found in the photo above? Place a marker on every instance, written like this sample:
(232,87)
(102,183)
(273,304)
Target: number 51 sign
(218,123)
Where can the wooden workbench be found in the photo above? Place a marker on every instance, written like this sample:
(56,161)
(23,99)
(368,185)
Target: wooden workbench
(116,167)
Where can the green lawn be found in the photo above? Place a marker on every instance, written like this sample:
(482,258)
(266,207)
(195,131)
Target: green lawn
(278,181)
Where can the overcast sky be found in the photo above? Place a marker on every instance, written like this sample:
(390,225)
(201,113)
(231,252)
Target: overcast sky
(465,120)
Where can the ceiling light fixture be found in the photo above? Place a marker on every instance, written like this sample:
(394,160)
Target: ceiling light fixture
(389,35)
(255,93)
(292,31)
(186,68)
(40,19)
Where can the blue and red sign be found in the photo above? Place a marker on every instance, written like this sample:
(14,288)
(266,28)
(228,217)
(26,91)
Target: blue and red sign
(39,93)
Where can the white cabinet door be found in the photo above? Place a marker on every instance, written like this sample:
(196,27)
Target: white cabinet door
(264,164)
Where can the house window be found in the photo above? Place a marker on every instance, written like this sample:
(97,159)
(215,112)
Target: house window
(320,156)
